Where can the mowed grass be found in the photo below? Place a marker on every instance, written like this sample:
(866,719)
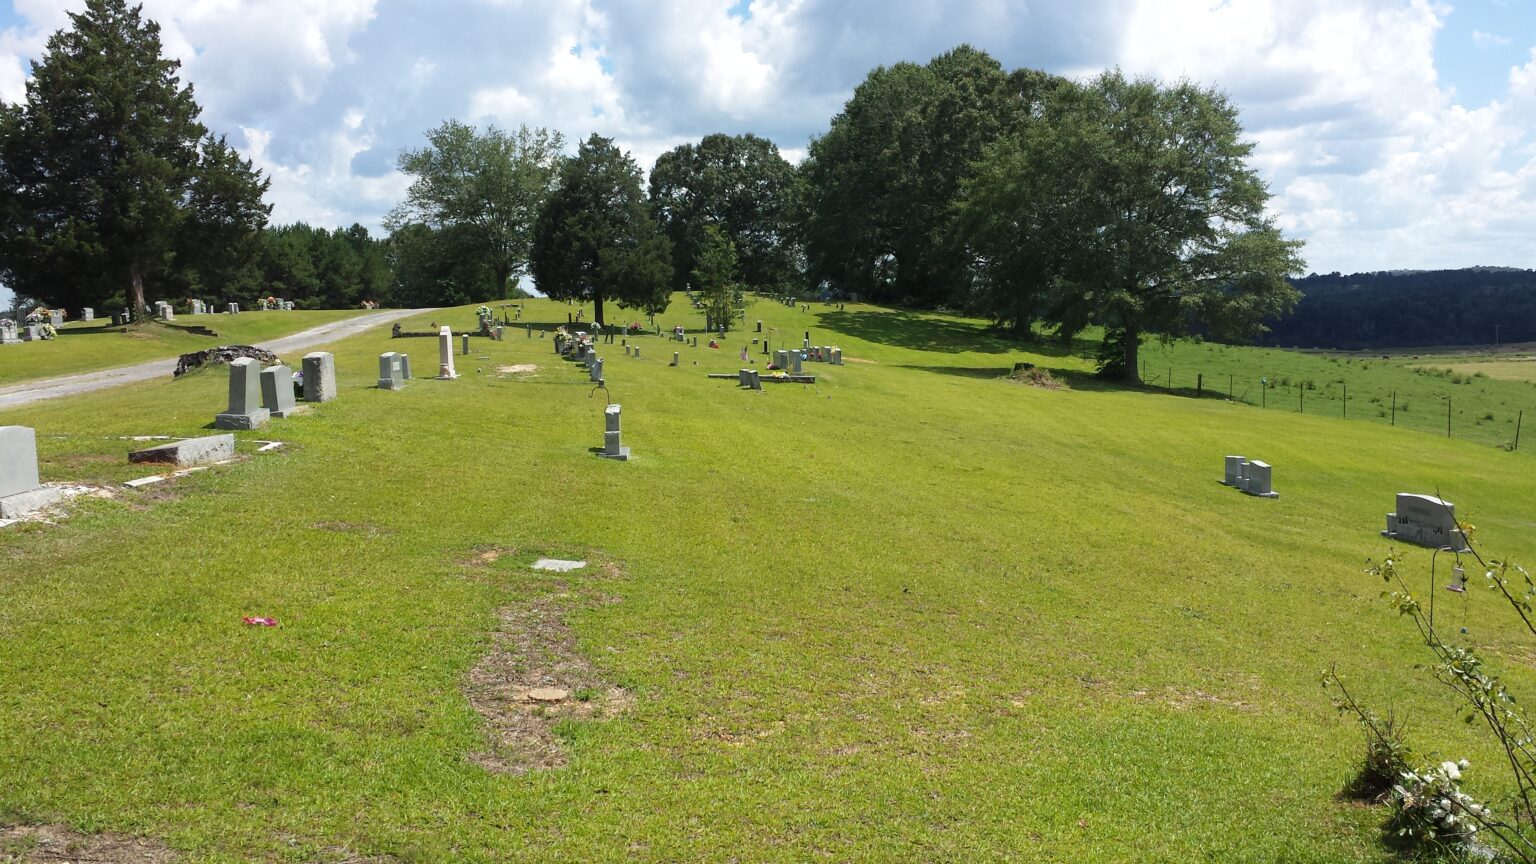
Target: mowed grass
(1511,369)
(912,612)
(88,346)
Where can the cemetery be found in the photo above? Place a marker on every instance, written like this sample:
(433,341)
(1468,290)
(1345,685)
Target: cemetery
(1168,596)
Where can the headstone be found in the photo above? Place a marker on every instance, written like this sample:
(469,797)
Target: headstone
(595,372)
(32,333)
(613,447)
(445,368)
(1257,479)
(277,390)
(499,333)
(674,358)
(21,491)
(794,363)
(837,356)
(56,318)
(744,377)
(87,314)
(754,379)
(245,410)
(404,362)
(1234,471)
(8,333)
(188,452)
(234,308)
(637,351)
(389,371)
(1426,521)
(465,338)
(759,326)
(780,359)
(319,376)
(626,350)
(167,312)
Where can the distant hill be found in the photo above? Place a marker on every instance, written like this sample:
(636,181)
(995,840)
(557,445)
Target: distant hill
(1406,308)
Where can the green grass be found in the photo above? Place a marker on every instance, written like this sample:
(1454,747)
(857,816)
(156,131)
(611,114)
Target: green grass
(1507,369)
(912,612)
(89,346)
(1484,408)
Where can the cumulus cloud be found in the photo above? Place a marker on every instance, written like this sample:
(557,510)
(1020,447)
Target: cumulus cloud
(1369,154)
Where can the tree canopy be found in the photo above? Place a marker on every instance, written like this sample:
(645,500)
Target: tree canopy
(882,182)
(1131,205)
(714,275)
(740,185)
(111,178)
(482,191)
(595,239)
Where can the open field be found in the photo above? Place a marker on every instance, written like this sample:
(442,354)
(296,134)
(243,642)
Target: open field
(915,611)
(83,346)
(1510,369)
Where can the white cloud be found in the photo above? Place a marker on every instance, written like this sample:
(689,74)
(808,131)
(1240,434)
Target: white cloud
(1489,40)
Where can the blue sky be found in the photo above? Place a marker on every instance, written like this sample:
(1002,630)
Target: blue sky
(1393,133)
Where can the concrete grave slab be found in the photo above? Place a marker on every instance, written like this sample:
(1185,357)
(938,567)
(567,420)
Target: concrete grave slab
(558,565)
(191,451)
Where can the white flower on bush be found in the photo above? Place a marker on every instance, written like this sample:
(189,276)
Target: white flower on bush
(1430,805)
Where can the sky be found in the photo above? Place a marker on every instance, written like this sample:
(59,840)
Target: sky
(1394,134)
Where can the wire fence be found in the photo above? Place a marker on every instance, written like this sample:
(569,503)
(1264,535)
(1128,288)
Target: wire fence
(1488,420)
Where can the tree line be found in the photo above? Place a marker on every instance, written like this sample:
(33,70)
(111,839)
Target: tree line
(1397,309)
(1045,204)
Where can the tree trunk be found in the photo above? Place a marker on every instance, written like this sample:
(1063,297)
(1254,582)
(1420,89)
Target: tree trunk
(1132,345)
(499,291)
(597,308)
(138,292)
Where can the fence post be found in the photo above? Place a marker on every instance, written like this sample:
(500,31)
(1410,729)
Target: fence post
(1170,377)
(1394,407)
(1230,379)
(1518,420)
(1263,394)
(1346,401)
(1199,384)
(1301,399)
(1447,416)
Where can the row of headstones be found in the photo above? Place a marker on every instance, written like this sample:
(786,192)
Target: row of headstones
(12,333)
(1425,520)
(395,367)
(256,395)
(278,305)
(586,354)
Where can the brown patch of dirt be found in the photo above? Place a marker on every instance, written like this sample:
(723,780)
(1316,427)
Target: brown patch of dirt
(517,369)
(1185,699)
(484,556)
(533,656)
(52,843)
(1037,377)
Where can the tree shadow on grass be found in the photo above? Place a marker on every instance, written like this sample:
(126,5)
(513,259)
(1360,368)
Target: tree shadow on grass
(922,331)
(104,327)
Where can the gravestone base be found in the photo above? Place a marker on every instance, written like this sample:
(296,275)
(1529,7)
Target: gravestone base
(17,506)
(254,420)
(192,451)
(622,455)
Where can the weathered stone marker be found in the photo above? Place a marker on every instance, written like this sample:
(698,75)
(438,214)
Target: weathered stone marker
(595,371)
(744,377)
(465,337)
(754,379)
(56,318)
(21,492)
(277,390)
(234,309)
(8,334)
(189,451)
(319,376)
(637,351)
(1426,521)
(794,363)
(245,410)
(87,314)
(32,333)
(445,368)
(404,362)
(389,371)
(613,447)
(675,358)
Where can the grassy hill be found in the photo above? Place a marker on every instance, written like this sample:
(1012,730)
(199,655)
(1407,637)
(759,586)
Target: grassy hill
(87,346)
(915,611)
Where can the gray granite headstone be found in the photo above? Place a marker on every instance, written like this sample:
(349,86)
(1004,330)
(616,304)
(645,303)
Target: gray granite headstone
(8,334)
(188,451)
(1233,474)
(234,308)
(1426,521)
(18,460)
(613,447)
(744,377)
(277,390)
(245,410)
(794,363)
(56,318)
(595,371)
(1257,479)
(754,379)
(389,371)
(404,362)
(319,376)
(87,314)
(675,358)
(32,333)
(465,339)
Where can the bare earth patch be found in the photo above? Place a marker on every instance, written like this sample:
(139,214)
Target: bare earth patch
(51,843)
(532,679)
(484,556)
(517,369)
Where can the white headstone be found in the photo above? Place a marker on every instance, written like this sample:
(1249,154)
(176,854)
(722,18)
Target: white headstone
(445,368)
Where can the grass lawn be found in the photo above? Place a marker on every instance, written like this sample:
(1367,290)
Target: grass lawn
(87,346)
(1505,369)
(912,612)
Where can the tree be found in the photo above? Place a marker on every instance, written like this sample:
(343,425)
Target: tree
(107,167)
(595,238)
(740,184)
(714,275)
(881,184)
(224,215)
(1131,205)
(489,187)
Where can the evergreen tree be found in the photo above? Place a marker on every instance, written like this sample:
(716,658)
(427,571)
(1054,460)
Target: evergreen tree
(714,275)
(107,168)
(595,239)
